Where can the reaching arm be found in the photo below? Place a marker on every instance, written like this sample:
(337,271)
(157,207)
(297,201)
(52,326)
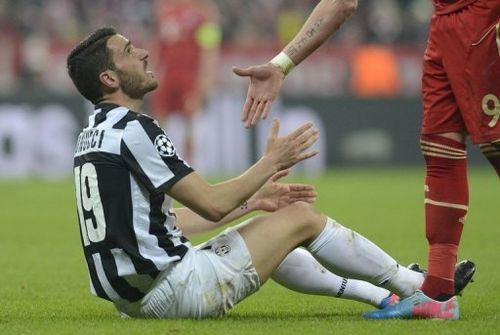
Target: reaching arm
(323,22)
(266,79)
(270,197)
(214,202)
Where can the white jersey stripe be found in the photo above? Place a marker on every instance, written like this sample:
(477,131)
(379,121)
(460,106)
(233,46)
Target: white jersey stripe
(112,118)
(124,265)
(111,142)
(148,158)
(110,292)
(92,120)
(147,243)
(92,288)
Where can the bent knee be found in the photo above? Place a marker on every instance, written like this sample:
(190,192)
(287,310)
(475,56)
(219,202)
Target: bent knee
(301,208)
(305,215)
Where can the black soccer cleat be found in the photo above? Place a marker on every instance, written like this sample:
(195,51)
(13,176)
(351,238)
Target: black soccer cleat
(464,271)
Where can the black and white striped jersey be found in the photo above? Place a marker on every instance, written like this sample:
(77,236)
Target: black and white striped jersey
(123,165)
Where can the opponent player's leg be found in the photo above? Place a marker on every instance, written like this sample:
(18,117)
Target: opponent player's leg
(302,273)
(443,147)
(446,204)
(492,152)
(483,71)
(342,251)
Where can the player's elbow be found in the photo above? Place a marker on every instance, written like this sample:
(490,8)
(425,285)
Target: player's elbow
(216,216)
(213,213)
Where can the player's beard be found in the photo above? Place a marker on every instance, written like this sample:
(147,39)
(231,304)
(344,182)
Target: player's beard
(135,85)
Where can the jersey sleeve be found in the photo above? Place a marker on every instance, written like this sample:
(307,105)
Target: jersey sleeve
(151,156)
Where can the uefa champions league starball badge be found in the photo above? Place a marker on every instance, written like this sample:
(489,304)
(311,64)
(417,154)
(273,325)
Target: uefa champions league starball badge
(164,146)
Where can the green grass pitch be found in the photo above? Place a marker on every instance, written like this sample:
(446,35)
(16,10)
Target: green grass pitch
(44,282)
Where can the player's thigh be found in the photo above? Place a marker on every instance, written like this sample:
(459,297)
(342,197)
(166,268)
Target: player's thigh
(223,276)
(441,113)
(482,76)
(207,282)
(270,238)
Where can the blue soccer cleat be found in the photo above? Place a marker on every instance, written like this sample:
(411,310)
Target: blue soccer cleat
(390,300)
(418,306)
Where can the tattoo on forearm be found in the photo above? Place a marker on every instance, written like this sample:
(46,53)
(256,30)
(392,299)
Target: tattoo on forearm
(291,51)
(294,49)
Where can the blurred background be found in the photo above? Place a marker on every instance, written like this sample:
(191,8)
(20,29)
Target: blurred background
(362,89)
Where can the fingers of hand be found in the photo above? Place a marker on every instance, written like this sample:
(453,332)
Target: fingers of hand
(250,116)
(275,128)
(303,194)
(308,200)
(266,109)
(246,108)
(243,72)
(302,188)
(303,142)
(307,138)
(307,155)
(300,130)
(257,111)
(280,174)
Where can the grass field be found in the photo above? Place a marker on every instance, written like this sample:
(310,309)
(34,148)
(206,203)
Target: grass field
(44,282)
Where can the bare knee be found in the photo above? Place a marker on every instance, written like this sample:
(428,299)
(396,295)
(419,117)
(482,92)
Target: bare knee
(305,218)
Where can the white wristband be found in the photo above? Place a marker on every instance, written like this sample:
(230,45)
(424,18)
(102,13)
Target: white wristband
(283,62)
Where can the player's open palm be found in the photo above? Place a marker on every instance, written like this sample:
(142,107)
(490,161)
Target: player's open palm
(274,195)
(265,85)
(288,150)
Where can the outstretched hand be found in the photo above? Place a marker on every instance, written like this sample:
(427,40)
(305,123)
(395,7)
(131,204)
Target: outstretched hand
(286,151)
(265,84)
(274,195)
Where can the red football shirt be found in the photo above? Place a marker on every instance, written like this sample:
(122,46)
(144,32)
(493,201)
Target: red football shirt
(448,6)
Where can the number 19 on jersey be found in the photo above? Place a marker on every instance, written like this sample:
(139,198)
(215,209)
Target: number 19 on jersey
(89,202)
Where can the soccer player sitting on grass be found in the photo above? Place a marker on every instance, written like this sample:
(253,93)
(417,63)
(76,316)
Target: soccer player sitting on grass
(127,173)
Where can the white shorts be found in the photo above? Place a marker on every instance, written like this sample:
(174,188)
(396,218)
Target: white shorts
(207,282)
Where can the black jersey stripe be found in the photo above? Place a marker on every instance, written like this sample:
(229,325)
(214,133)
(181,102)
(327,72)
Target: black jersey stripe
(121,218)
(119,284)
(136,168)
(158,228)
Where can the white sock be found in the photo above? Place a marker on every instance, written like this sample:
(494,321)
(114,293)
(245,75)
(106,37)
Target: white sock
(301,272)
(405,282)
(349,254)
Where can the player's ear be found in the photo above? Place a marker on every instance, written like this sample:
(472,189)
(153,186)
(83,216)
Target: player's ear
(109,79)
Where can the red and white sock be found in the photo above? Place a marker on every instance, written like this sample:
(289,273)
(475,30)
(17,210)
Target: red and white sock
(446,206)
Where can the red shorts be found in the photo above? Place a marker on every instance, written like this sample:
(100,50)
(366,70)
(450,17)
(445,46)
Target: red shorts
(461,73)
